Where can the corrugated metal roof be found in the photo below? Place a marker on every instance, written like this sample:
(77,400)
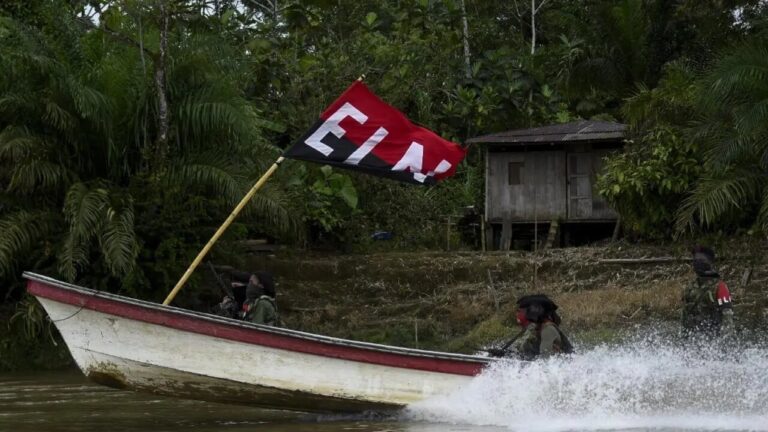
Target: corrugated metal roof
(582,130)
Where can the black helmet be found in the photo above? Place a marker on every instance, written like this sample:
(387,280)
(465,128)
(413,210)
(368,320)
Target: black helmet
(703,252)
(267,282)
(703,260)
(539,307)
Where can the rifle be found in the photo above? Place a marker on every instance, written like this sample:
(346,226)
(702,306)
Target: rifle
(229,307)
(224,287)
(499,352)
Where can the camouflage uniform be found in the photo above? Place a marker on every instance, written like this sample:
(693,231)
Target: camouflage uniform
(702,312)
(526,346)
(261,311)
(538,341)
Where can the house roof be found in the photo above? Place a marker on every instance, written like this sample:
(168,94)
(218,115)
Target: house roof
(582,130)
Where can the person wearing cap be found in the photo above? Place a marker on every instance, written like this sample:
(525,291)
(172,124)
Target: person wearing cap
(259,306)
(540,336)
(707,303)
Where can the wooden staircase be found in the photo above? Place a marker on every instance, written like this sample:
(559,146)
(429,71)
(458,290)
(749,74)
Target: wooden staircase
(554,229)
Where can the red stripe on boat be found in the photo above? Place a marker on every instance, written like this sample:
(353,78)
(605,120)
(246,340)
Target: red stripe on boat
(176,320)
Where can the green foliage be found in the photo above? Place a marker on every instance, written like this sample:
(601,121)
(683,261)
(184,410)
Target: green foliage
(22,231)
(105,215)
(28,340)
(416,216)
(734,101)
(30,319)
(329,199)
(646,182)
(333,184)
(80,179)
(87,192)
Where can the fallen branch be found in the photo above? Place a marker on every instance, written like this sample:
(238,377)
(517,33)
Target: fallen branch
(642,260)
(307,309)
(633,313)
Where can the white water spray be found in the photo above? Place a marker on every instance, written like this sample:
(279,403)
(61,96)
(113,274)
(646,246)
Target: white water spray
(648,384)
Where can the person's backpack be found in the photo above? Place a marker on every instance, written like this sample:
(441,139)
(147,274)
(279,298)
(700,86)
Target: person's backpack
(566,346)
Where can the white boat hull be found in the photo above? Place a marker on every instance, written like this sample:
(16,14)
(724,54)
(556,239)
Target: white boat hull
(135,345)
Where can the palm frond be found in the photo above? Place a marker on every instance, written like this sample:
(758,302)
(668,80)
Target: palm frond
(12,102)
(207,110)
(740,73)
(59,117)
(73,255)
(212,171)
(21,231)
(118,237)
(733,97)
(90,103)
(752,119)
(100,213)
(273,208)
(724,148)
(17,144)
(762,215)
(714,197)
(34,175)
(84,209)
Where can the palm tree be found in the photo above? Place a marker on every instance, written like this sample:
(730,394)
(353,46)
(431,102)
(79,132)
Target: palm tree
(50,118)
(77,123)
(618,59)
(734,98)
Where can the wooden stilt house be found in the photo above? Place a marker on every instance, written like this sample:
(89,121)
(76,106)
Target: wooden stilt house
(539,184)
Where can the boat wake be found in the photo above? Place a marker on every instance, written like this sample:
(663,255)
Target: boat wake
(648,383)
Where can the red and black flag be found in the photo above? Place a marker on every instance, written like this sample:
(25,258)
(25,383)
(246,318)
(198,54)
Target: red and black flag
(360,131)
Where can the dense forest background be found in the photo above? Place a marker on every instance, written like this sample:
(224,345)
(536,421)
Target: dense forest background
(129,129)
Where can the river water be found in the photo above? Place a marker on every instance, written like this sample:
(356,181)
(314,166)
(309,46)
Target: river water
(652,386)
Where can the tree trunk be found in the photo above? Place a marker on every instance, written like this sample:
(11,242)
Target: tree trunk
(466,40)
(161,142)
(533,27)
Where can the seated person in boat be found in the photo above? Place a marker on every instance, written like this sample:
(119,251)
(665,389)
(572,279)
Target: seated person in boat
(231,305)
(540,336)
(259,306)
(251,297)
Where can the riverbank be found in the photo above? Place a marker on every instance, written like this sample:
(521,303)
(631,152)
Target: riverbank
(459,301)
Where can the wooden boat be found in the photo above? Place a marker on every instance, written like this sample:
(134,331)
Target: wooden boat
(133,344)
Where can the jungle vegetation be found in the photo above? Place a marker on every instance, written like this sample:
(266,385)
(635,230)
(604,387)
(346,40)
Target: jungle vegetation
(130,128)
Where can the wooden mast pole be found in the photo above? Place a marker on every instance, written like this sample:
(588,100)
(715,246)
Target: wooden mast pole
(221,229)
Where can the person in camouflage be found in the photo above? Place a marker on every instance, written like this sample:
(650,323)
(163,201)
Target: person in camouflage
(541,336)
(707,304)
(260,306)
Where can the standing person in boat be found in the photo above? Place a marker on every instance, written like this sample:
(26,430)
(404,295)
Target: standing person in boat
(260,306)
(540,336)
(707,307)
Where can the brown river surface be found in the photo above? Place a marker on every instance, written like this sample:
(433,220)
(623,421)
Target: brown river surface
(650,387)
(68,402)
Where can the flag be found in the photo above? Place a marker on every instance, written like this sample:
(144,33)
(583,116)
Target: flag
(361,132)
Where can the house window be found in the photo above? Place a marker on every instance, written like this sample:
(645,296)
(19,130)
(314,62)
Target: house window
(515,173)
